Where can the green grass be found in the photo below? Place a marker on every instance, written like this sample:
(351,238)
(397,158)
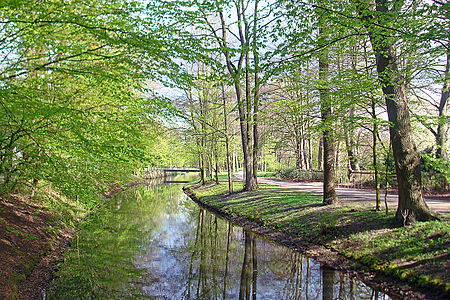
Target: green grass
(266,174)
(67,211)
(23,235)
(423,241)
(415,253)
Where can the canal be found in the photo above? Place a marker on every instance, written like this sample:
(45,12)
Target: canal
(153,242)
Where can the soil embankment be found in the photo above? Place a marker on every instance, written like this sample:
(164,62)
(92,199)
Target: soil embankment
(32,242)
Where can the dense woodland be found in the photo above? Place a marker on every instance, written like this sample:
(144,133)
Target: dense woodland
(347,91)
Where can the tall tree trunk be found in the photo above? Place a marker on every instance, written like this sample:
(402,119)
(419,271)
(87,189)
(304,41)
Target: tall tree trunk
(320,155)
(216,171)
(250,183)
(202,168)
(411,205)
(310,163)
(337,152)
(305,154)
(235,72)
(349,132)
(329,193)
(198,138)
(235,162)
(211,166)
(350,145)
(203,155)
(227,141)
(441,133)
(298,150)
(375,155)
(255,95)
(250,180)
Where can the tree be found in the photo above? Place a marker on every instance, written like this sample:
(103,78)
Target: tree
(378,21)
(75,111)
(235,71)
(442,128)
(329,193)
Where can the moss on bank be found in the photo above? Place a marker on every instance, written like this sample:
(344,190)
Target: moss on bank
(416,254)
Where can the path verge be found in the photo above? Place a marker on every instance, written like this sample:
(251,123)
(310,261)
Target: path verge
(411,262)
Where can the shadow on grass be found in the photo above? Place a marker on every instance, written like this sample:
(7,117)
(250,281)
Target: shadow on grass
(355,231)
(300,213)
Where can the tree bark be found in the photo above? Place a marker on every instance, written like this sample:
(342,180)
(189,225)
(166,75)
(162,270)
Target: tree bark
(310,154)
(216,160)
(411,205)
(305,154)
(350,145)
(320,155)
(235,71)
(442,129)
(255,96)
(250,183)
(350,134)
(329,193)
(298,150)
(375,156)
(227,141)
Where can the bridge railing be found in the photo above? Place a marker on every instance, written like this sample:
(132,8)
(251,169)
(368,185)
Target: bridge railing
(156,172)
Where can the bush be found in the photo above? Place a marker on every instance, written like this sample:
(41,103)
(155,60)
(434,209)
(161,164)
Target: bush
(300,175)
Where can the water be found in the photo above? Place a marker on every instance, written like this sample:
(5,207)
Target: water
(152,242)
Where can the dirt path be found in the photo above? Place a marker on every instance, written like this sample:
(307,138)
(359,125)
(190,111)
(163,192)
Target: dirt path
(352,196)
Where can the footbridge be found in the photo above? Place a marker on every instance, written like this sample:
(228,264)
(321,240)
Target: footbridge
(168,172)
(181,170)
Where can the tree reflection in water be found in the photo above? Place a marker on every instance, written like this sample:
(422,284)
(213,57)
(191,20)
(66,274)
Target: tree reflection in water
(154,242)
(229,262)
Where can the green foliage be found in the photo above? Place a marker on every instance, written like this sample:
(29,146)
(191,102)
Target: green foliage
(300,175)
(266,174)
(24,235)
(327,223)
(75,110)
(437,165)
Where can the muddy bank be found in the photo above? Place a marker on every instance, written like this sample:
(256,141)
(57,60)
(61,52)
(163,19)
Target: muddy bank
(320,251)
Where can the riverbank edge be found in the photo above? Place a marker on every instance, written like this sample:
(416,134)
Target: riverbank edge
(43,267)
(369,271)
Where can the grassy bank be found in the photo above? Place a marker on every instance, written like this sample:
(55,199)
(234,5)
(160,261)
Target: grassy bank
(416,255)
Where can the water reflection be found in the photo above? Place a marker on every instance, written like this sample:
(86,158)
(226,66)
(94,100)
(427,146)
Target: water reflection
(153,242)
(228,262)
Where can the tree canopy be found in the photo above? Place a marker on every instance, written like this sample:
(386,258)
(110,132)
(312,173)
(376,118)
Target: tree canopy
(313,85)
